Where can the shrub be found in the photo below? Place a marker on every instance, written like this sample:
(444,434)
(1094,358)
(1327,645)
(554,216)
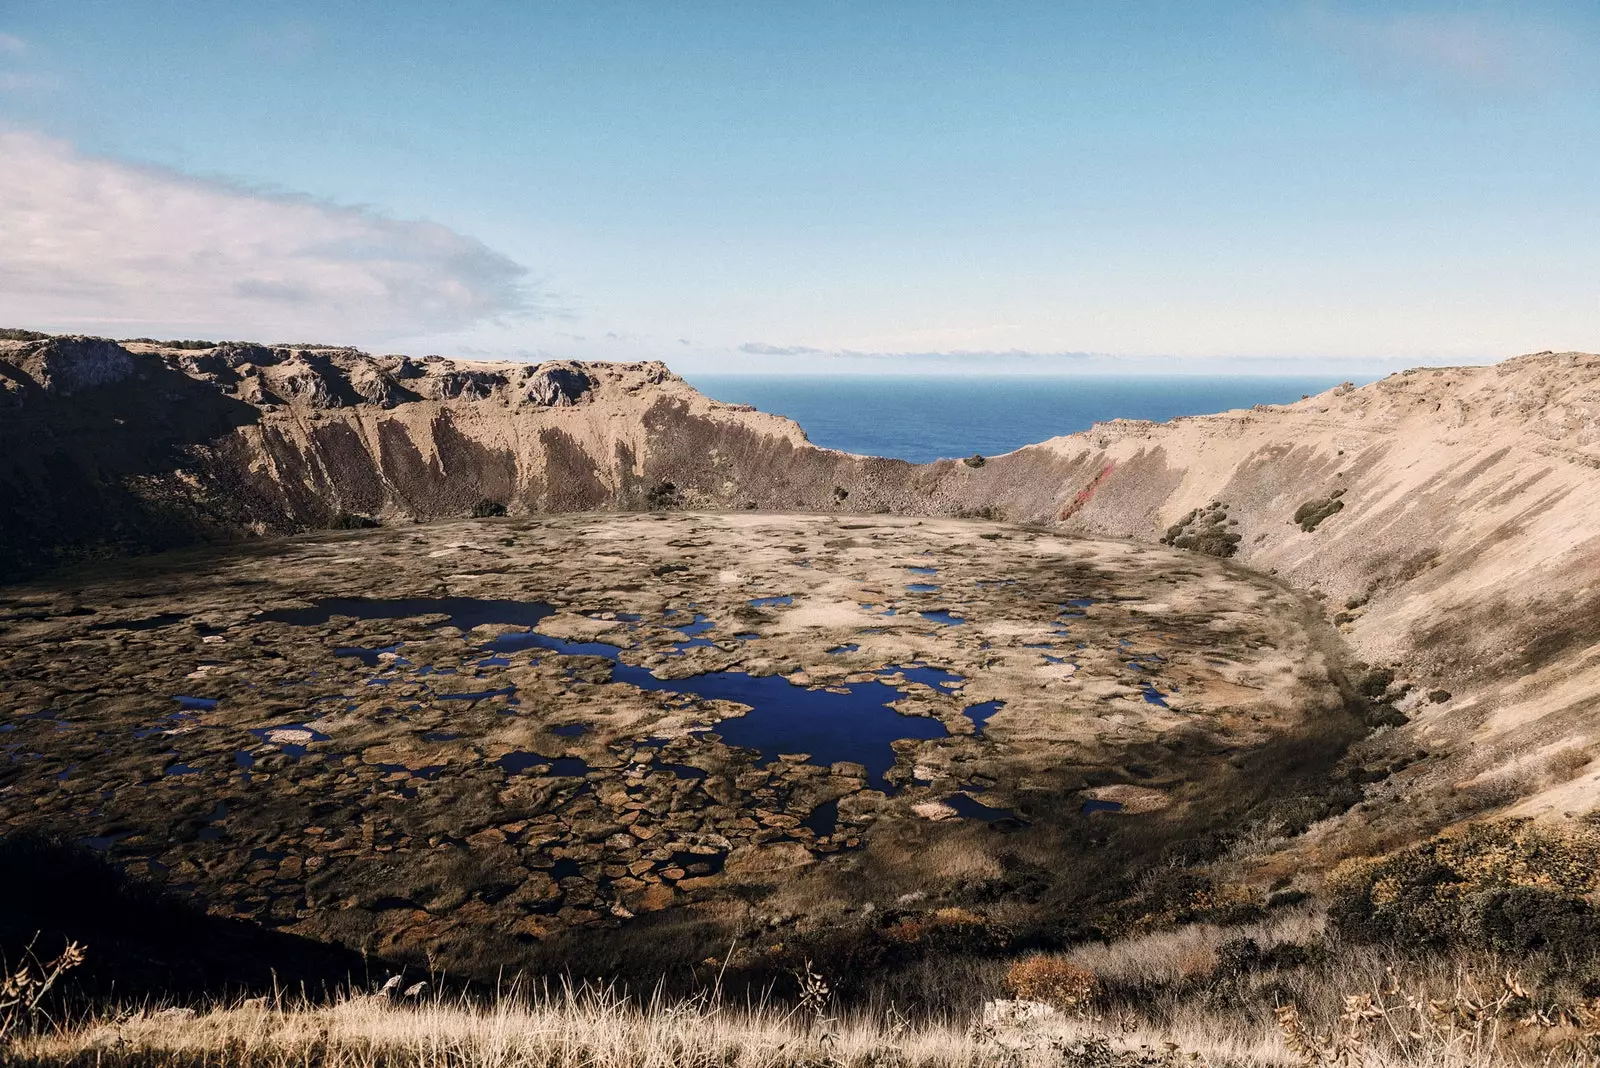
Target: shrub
(1051,979)
(13,334)
(1238,956)
(1205,530)
(1311,514)
(487,508)
(1375,683)
(1523,919)
(1508,884)
(975,460)
(663,495)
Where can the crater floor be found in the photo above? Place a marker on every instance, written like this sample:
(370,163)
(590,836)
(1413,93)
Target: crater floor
(461,742)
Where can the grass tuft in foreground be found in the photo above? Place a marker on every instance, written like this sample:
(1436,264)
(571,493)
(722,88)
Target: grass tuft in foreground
(1436,1017)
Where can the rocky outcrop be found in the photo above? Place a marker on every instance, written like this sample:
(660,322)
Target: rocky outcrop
(60,367)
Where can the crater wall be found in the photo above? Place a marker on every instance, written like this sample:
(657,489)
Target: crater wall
(1443,516)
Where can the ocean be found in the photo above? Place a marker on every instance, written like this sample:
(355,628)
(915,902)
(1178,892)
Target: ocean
(922,418)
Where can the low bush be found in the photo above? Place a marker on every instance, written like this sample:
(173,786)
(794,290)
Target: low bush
(1205,530)
(486,509)
(1507,885)
(1051,979)
(1311,514)
(1375,683)
(662,496)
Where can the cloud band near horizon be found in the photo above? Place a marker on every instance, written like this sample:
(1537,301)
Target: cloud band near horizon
(152,250)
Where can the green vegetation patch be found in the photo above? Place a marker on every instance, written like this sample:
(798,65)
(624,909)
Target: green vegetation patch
(1510,886)
(1205,530)
(1311,514)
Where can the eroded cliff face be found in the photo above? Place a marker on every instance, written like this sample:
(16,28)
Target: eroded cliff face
(111,449)
(1444,517)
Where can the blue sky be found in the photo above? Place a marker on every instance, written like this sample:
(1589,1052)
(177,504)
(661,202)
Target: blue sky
(826,187)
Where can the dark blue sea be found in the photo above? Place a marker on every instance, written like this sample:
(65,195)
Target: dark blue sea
(924,418)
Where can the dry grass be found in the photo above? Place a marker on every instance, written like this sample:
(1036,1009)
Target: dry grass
(1355,1011)
(1182,955)
(570,1029)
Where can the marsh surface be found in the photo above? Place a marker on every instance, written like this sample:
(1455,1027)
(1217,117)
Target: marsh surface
(467,741)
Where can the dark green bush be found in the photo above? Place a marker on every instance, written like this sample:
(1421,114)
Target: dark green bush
(975,460)
(486,508)
(1311,514)
(663,495)
(1238,956)
(12,334)
(1509,885)
(1523,919)
(1205,530)
(1375,683)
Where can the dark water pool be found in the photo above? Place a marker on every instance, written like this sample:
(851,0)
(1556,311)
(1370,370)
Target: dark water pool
(937,678)
(823,820)
(969,809)
(680,771)
(980,714)
(369,657)
(855,724)
(520,761)
(942,616)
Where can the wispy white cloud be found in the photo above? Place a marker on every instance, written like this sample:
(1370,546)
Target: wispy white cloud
(1478,50)
(790,359)
(112,247)
(12,45)
(761,348)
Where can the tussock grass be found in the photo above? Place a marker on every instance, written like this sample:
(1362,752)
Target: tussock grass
(1356,1008)
(572,1028)
(1180,955)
